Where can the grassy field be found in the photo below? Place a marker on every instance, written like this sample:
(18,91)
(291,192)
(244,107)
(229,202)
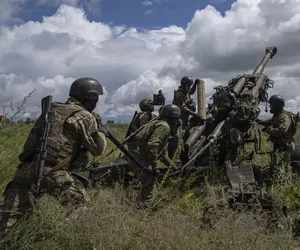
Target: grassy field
(113,221)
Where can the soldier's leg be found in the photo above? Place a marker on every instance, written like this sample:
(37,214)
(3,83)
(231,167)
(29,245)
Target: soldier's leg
(147,180)
(18,198)
(66,188)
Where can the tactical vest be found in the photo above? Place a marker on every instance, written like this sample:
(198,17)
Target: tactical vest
(137,121)
(294,118)
(59,146)
(144,135)
(141,139)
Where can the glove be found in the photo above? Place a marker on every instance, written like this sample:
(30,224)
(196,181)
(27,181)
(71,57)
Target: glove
(196,120)
(100,127)
(197,81)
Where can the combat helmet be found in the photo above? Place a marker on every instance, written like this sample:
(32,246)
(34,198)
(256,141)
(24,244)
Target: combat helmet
(86,88)
(146,104)
(186,80)
(170,111)
(276,102)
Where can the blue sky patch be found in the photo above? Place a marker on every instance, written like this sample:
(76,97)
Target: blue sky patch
(133,13)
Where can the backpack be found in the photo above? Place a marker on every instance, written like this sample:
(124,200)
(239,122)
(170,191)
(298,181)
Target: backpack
(294,120)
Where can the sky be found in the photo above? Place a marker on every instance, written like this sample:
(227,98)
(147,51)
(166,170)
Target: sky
(135,47)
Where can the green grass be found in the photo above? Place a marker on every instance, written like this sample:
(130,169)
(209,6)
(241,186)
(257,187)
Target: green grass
(196,218)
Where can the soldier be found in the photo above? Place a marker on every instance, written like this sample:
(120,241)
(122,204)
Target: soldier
(183,99)
(144,116)
(281,127)
(141,118)
(74,131)
(1,117)
(159,98)
(151,146)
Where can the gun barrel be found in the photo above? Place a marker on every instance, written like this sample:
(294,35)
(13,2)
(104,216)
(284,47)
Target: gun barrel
(270,52)
(46,101)
(125,151)
(129,137)
(259,85)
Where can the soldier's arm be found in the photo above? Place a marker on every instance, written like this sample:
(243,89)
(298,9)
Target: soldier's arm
(179,101)
(158,137)
(166,159)
(264,123)
(284,122)
(85,126)
(193,89)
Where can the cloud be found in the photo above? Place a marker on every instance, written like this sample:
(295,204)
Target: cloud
(148,12)
(58,87)
(10,9)
(147,3)
(133,63)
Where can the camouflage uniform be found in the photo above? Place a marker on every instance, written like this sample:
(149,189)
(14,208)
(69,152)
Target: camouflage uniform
(151,146)
(73,133)
(141,119)
(281,135)
(184,101)
(282,131)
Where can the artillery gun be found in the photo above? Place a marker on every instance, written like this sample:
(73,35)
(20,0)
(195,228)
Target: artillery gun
(230,122)
(229,118)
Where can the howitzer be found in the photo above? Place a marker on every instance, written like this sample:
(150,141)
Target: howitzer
(131,136)
(236,105)
(42,144)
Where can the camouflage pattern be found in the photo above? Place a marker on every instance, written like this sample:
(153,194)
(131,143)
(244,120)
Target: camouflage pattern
(81,136)
(184,101)
(281,130)
(150,147)
(141,119)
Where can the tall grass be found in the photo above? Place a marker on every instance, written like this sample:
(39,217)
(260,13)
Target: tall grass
(189,218)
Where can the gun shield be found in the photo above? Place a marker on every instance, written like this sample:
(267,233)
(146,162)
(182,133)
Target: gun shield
(201,99)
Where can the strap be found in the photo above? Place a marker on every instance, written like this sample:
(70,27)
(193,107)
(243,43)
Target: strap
(59,165)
